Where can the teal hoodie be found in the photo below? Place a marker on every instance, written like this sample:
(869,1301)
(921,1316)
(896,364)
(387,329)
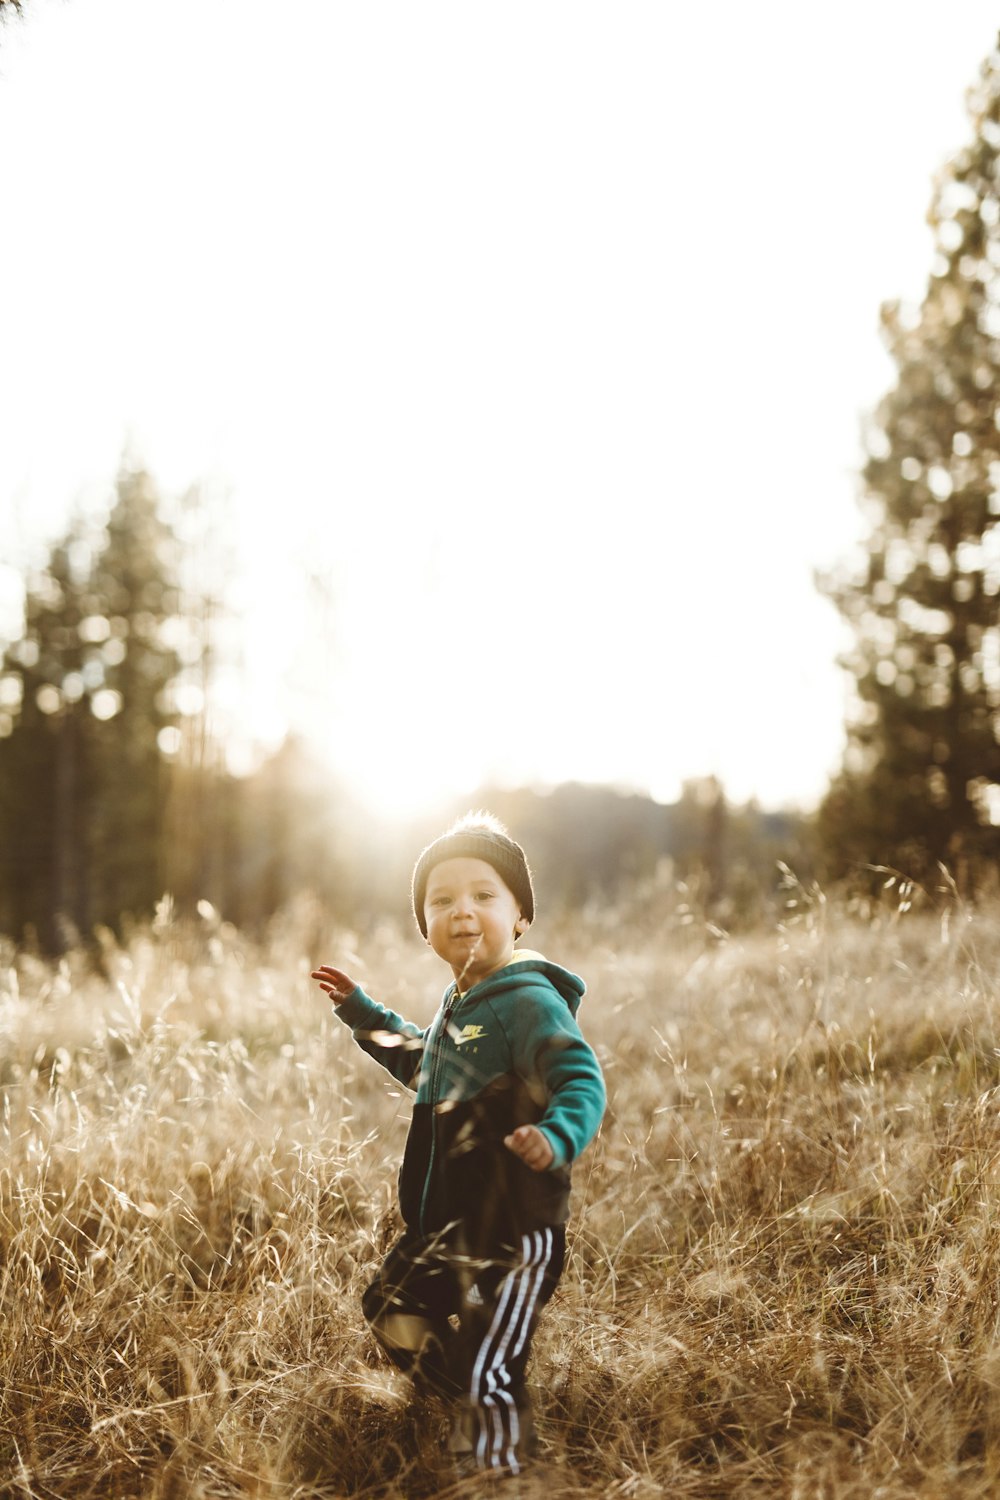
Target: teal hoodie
(508,1052)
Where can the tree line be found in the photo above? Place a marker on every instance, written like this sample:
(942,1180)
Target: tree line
(115,790)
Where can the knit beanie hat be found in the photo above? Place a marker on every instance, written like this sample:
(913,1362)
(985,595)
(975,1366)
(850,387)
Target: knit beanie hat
(476,836)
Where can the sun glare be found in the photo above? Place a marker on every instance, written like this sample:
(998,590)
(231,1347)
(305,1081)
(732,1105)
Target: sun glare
(481,525)
(394,776)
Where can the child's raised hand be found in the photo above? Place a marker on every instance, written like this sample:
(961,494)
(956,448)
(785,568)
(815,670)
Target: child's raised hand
(334,982)
(528,1142)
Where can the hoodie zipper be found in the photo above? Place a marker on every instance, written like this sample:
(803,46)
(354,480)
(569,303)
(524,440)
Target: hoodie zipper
(432,1089)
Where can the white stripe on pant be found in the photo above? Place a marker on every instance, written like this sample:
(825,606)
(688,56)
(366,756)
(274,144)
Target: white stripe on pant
(489,1391)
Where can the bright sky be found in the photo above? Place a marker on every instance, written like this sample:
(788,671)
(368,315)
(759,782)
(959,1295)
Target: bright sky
(530,342)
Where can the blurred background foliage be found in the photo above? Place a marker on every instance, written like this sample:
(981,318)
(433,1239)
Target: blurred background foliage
(115,786)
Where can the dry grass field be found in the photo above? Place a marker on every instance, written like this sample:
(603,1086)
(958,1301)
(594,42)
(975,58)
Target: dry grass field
(784,1262)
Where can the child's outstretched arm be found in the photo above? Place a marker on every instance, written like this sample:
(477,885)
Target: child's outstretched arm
(393,1042)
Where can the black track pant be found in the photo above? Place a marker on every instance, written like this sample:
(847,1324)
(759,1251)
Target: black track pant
(422,1284)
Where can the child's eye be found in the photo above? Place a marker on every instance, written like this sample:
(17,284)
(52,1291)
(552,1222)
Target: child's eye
(485,895)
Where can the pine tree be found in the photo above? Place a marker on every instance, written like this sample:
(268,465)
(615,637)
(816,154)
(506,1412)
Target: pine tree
(135,582)
(86,691)
(921,780)
(42,752)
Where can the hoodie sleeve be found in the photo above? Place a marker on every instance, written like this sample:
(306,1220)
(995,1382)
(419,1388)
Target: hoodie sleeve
(397,1044)
(550,1050)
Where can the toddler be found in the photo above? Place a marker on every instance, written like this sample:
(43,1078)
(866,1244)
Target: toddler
(508,1094)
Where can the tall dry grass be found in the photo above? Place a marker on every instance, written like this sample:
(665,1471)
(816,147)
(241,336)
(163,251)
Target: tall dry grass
(784,1260)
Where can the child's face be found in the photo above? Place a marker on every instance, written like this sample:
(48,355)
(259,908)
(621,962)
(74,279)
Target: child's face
(472,919)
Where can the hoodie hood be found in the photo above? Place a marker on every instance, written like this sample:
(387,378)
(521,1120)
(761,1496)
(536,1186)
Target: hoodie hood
(522,974)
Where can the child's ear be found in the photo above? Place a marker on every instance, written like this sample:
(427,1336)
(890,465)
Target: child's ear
(521,925)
